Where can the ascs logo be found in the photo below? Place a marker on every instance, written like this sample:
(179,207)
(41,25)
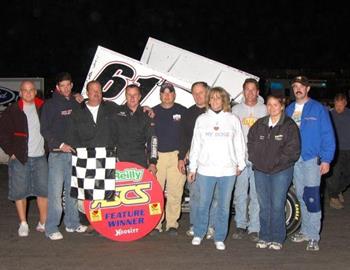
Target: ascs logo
(6,95)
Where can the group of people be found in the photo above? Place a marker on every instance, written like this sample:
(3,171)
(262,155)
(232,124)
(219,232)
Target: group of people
(258,151)
(254,149)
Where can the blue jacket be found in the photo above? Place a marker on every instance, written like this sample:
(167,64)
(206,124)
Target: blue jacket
(316,131)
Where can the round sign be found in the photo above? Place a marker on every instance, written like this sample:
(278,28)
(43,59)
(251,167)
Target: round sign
(136,209)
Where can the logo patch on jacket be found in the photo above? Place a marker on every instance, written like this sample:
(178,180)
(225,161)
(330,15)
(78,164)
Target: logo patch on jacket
(122,114)
(176,117)
(66,112)
(279,137)
(311,118)
(261,137)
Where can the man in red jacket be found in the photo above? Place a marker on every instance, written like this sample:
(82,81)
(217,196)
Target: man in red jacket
(20,138)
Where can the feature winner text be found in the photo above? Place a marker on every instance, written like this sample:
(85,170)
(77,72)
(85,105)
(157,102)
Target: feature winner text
(125,218)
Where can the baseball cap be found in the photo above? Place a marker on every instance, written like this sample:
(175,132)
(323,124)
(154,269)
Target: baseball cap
(301,79)
(167,86)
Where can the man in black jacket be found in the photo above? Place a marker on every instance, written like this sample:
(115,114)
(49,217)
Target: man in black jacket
(20,138)
(54,123)
(136,135)
(92,123)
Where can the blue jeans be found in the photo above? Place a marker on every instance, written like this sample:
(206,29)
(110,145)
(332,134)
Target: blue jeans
(272,196)
(194,200)
(241,198)
(307,177)
(60,171)
(207,186)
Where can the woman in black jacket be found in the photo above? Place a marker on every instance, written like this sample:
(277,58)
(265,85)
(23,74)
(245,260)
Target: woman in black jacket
(273,148)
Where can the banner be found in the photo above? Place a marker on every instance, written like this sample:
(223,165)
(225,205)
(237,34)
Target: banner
(136,209)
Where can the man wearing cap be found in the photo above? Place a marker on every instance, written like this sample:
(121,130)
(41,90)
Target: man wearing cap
(317,150)
(167,125)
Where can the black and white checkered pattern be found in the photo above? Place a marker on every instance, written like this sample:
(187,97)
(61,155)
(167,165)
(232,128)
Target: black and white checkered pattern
(93,174)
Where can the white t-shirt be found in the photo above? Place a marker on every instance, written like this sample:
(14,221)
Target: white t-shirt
(297,113)
(35,140)
(93,110)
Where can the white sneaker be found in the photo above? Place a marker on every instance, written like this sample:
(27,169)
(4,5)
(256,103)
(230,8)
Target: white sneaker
(23,230)
(40,227)
(79,229)
(220,245)
(210,233)
(56,236)
(196,241)
(275,246)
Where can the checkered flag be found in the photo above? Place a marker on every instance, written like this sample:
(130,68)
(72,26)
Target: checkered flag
(93,174)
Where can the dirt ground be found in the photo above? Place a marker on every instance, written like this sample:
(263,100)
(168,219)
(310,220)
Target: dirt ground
(82,251)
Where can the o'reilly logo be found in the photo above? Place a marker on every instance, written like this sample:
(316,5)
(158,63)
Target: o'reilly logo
(6,95)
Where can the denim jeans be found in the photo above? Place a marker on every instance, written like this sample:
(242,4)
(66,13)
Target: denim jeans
(29,179)
(207,186)
(246,216)
(272,195)
(307,175)
(194,200)
(60,170)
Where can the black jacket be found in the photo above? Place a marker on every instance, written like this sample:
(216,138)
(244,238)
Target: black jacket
(273,149)
(14,130)
(82,131)
(135,131)
(54,119)
(186,129)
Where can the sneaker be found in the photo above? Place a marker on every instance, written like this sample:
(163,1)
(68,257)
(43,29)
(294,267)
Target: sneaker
(239,234)
(275,246)
(220,245)
(172,231)
(312,245)
(210,233)
(23,230)
(341,197)
(196,241)
(253,236)
(262,244)
(298,237)
(190,231)
(40,227)
(335,203)
(79,229)
(56,236)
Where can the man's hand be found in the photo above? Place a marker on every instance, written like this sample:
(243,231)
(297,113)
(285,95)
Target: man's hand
(67,148)
(181,166)
(78,98)
(153,169)
(324,168)
(238,172)
(13,157)
(149,111)
(191,177)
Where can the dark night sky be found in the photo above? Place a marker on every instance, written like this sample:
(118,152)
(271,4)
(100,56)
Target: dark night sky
(41,38)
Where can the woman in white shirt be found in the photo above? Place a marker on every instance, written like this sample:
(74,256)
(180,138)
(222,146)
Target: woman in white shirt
(217,156)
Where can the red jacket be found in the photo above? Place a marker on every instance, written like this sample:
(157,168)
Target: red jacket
(14,130)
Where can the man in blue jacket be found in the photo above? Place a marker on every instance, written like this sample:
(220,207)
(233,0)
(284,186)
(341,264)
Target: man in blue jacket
(317,150)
